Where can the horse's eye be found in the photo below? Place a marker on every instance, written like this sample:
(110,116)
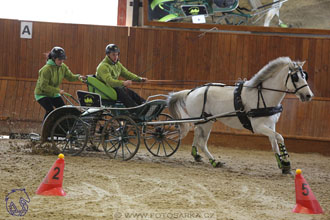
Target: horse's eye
(295,77)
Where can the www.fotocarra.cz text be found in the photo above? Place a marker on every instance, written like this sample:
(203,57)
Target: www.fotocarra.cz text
(167,215)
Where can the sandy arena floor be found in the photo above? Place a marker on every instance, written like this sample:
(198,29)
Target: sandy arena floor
(250,186)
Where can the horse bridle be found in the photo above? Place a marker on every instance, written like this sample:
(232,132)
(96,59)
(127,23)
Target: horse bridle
(293,74)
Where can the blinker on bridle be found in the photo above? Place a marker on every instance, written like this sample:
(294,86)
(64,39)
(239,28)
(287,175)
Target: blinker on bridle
(293,74)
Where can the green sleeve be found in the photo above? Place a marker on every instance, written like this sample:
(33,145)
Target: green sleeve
(104,74)
(45,76)
(68,75)
(129,75)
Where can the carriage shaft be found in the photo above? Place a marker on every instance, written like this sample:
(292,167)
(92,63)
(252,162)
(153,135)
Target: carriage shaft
(193,120)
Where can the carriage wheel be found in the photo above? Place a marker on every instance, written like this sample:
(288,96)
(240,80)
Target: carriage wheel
(121,137)
(162,140)
(69,134)
(96,134)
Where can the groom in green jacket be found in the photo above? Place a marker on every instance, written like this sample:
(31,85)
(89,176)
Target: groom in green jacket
(47,91)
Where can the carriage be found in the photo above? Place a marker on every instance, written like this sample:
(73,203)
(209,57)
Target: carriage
(100,120)
(220,11)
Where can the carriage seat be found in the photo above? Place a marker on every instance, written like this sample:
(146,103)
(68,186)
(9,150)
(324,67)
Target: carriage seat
(108,94)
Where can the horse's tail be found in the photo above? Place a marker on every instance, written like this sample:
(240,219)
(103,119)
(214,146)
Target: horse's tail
(176,103)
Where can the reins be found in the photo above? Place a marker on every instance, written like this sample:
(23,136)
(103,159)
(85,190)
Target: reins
(276,90)
(182,82)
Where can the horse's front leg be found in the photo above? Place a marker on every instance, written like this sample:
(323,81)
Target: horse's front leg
(201,136)
(277,142)
(282,157)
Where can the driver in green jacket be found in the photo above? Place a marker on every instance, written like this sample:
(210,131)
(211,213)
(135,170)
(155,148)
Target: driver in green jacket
(109,71)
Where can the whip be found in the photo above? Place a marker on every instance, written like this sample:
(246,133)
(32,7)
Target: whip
(162,60)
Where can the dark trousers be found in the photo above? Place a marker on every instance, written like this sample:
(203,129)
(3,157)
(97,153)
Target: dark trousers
(128,97)
(48,103)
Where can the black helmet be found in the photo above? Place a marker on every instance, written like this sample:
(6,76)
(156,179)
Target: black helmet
(58,52)
(112,48)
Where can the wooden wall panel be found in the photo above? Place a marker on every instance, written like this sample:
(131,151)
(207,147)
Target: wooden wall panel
(223,56)
(2,42)
(3,90)
(192,57)
(84,46)
(299,120)
(17,100)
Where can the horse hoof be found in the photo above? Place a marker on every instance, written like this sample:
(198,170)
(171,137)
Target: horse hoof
(198,158)
(217,164)
(287,170)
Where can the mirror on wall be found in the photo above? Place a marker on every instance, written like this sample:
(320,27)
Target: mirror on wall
(309,14)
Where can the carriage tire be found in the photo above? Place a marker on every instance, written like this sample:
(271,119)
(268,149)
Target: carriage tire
(121,138)
(70,135)
(162,140)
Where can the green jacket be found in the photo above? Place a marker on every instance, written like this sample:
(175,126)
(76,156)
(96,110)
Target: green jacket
(108,73)
(50,78)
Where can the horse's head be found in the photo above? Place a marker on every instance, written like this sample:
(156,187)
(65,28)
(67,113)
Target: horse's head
(296,81)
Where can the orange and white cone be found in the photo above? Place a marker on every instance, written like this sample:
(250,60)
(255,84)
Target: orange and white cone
(52,184)
(306,202)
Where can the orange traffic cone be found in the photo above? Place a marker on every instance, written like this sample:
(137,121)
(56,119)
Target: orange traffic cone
(52,184)
(306,202)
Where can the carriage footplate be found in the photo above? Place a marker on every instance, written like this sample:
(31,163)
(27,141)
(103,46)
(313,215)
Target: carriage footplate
(216,164)
(283,160)
(194,153)
(31,136)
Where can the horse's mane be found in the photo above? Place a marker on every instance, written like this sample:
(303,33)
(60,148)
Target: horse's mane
(267,71)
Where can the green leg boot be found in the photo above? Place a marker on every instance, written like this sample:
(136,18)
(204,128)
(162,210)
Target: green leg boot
(194,153)
(216,164)
(283,160)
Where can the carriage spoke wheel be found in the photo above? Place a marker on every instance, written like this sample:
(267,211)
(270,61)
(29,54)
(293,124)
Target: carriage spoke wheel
(162,140)
(69,134)
(121,138)
(95,135)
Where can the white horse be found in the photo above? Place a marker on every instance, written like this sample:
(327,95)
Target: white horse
(268,88)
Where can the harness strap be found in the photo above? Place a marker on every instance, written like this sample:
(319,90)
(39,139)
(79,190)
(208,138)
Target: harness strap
(204,114)
(238,104)
(260,95)
(263,112)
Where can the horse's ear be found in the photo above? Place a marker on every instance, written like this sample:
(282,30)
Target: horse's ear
(301,63)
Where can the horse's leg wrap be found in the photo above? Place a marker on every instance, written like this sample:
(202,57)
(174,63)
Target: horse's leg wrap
(216,164)
(283,160)
(194,153)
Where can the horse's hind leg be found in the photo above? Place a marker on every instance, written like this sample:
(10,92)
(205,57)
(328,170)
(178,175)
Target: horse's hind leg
(201,136)
(196,143)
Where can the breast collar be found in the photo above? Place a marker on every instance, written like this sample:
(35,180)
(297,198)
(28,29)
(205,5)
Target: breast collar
(243,116)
